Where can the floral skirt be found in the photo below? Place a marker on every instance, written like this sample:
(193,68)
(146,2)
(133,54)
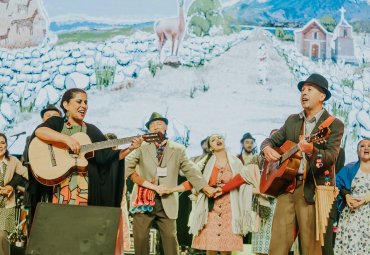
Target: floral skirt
(217,235)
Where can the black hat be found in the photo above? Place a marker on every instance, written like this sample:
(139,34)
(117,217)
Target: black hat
(319,81)
(247,136)
(156,116)
(50,107)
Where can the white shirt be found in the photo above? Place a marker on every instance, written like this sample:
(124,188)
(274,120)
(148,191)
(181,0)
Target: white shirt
(308,126)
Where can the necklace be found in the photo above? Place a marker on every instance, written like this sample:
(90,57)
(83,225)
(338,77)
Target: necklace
(72,129)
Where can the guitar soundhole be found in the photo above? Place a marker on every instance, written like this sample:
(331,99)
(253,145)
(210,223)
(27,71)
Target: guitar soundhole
(52,155)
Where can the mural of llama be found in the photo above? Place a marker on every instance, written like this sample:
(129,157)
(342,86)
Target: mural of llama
(171,29)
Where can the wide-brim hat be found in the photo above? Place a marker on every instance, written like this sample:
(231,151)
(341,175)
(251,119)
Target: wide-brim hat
(247,136)
(319,81)
(50,107)
(156,116)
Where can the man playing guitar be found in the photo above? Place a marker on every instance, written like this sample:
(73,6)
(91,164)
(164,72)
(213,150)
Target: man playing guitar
(295,207)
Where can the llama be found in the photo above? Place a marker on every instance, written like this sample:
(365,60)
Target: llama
(5,2)
(24,7)
(5,36)
(28,22)
(171,28)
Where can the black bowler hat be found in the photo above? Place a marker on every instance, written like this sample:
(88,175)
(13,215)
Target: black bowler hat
(156,116)
(319,81)
(247,136)
(50,107)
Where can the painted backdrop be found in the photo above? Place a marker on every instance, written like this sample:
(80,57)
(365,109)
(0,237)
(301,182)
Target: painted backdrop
(209,65)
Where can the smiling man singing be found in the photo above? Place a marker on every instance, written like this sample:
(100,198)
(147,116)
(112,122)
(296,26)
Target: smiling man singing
(296,205)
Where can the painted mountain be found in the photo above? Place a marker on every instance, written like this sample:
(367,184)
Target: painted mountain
(296,12)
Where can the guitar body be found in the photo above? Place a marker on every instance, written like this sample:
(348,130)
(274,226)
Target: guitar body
(51,163)
(277,176)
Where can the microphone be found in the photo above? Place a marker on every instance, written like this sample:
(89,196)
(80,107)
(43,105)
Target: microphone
(21,133)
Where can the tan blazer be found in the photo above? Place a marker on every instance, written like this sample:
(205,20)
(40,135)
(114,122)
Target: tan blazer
(175,160)
(13,166)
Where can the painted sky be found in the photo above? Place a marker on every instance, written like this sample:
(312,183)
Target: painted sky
(121,9)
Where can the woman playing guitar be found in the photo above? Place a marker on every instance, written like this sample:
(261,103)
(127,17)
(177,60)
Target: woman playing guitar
(80,188)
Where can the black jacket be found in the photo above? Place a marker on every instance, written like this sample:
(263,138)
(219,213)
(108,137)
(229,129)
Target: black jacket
(105,171)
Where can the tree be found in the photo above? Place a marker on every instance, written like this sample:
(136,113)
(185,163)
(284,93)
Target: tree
(279,33)
(328,22)
(205,15)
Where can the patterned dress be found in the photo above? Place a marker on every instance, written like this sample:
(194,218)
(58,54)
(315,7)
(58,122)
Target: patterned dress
(354,227)
(217,235)
(7,215)
(74,189)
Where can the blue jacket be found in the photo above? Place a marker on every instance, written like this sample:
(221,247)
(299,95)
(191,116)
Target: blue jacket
(344,181)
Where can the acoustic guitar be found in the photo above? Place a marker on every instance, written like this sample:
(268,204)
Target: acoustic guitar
(51,163)
(278,175)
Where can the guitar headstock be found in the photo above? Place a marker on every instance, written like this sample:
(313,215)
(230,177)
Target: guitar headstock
(320,136)
(153,137)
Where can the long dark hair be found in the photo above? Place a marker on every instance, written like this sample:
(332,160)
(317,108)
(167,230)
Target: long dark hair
(6,141)
(68,95)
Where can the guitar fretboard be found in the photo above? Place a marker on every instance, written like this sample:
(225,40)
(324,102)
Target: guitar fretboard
(106,144)
(289,153)
(295,148)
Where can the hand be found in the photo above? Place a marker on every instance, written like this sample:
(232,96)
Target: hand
(7,190)
(357,202)
(162,190)
(218,192)
(256,191)
(136,143)
(305,147)
(349,201)
(209,191)
(271,154)
(73,144)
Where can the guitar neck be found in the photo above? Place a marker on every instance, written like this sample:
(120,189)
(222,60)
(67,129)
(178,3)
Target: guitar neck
(289,153)
(105,144)
(293,150)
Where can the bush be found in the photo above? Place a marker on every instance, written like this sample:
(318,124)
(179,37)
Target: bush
(347,83)
(26,105)
(105,75)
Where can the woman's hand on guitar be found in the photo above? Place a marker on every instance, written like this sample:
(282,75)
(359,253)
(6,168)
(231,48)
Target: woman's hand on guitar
(271,154)
(73,144)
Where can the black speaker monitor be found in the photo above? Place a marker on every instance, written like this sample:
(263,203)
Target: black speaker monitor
(70,229)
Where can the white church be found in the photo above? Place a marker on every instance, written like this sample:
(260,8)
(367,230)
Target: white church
(314,41)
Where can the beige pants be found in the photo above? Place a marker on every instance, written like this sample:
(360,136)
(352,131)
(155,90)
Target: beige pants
(292,211)
(167,229)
